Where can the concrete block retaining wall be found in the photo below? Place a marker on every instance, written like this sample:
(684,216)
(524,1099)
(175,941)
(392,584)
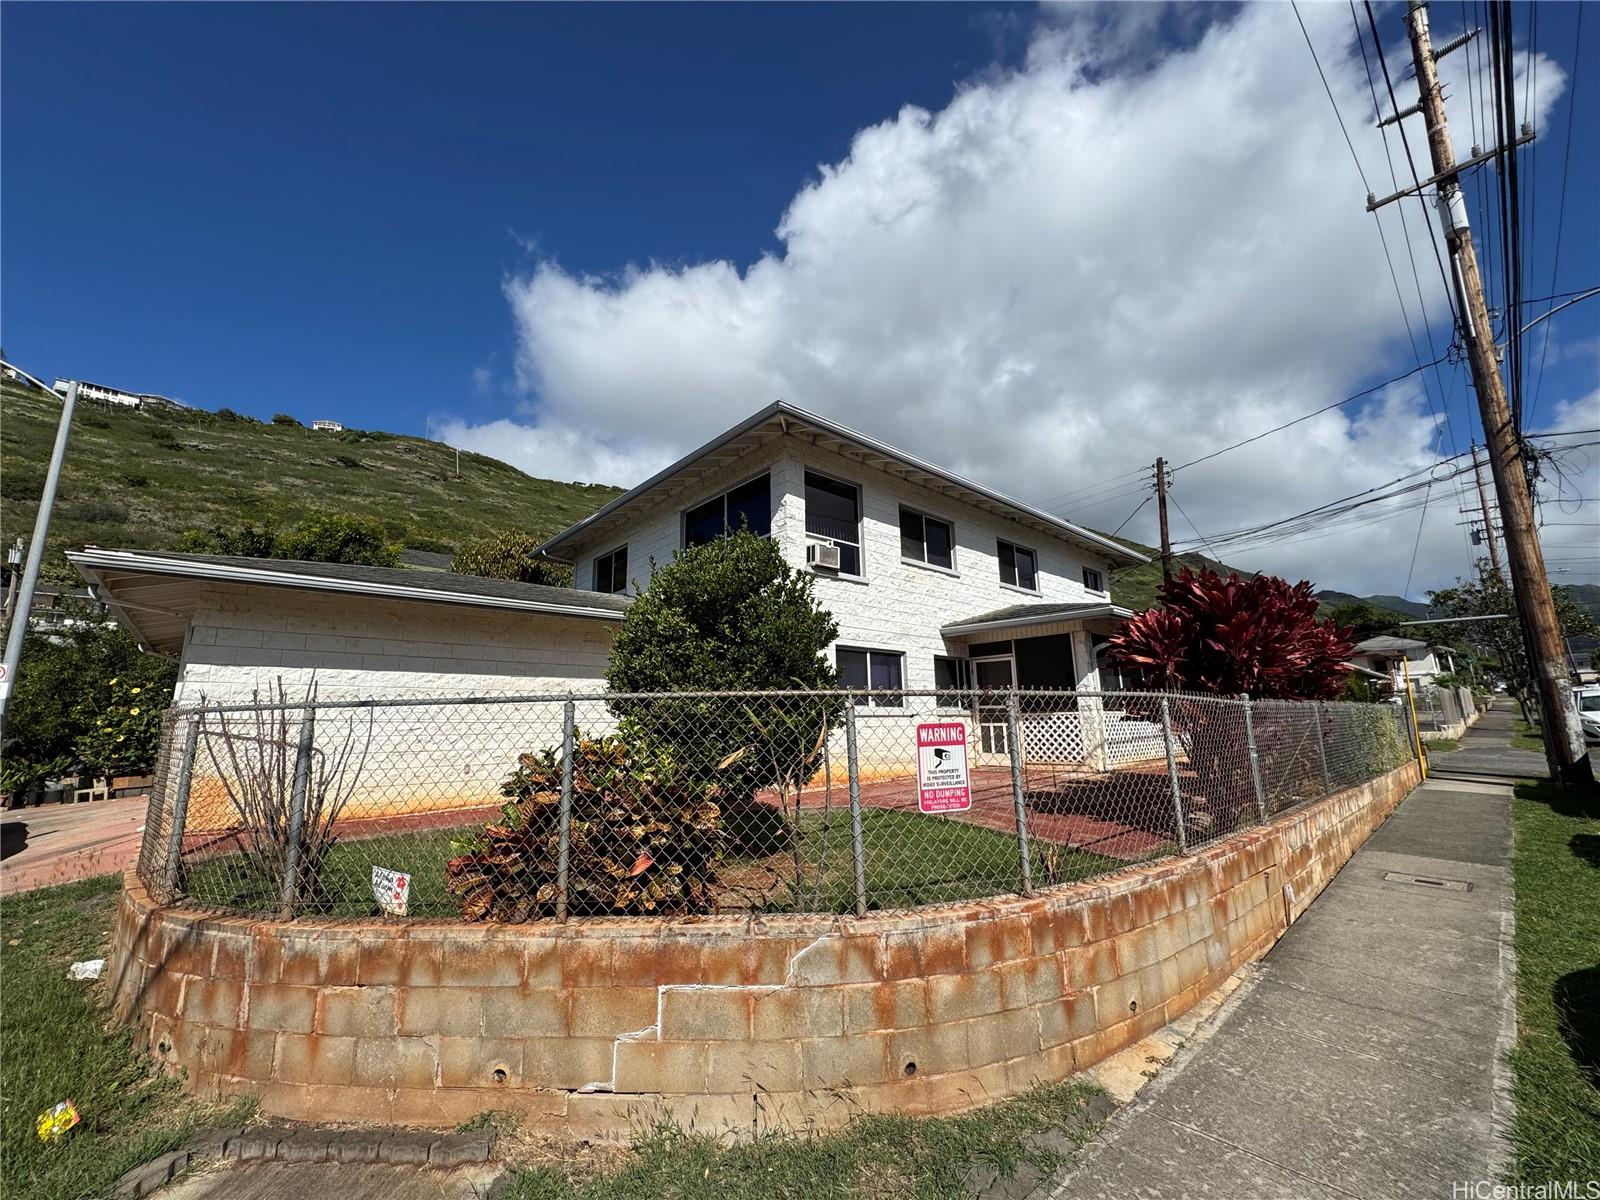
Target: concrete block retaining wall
(746,1022)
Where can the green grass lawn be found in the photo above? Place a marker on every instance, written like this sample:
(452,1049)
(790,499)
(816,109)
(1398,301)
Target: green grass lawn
(1525,736)
(873,1158)
(1556,865)
(911,859)
(1442,745)
(56,1047)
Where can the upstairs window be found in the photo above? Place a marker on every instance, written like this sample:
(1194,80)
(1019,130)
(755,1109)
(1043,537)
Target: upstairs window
(833,513)
(1019,567)
(749,504)
(926,539)
(880,670)
(1093,580)
(611,571)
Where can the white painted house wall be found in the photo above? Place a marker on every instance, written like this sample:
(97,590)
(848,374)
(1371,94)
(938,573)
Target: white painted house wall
(894,605)
(243,639)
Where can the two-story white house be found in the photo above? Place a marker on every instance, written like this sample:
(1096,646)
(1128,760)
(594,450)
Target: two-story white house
(935,581)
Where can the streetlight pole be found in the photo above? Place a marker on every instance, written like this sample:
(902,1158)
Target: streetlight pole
(18,632)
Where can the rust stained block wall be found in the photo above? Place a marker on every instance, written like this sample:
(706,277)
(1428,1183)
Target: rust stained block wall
(741,1022)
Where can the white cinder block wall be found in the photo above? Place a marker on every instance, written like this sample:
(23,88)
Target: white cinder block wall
(244,639)
(895,605)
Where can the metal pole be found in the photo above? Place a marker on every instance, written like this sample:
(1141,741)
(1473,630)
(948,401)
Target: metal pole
(171,869)
(297,810)
(1255,761)
(564,819)
(1322,750)
(30,574)
(858,849)
(1172,778)
(1018,801)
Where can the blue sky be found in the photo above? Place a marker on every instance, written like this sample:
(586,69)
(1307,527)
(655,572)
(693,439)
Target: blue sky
(312,207)
(1042,246)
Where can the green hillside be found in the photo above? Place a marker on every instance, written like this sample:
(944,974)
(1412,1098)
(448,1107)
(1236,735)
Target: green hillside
(139,478)
(1135,587)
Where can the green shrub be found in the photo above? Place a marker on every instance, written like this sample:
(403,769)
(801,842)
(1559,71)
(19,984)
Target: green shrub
(136,479)
(121,719)
(510,555)
(643,840)
(316,537)
(20,483)
(94,512)
(283,419)
(730,615)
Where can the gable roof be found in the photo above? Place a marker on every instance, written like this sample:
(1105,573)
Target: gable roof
(154,593)
(782,419)
(1389,645)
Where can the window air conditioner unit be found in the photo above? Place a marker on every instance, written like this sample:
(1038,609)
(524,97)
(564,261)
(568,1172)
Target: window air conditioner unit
(822,554)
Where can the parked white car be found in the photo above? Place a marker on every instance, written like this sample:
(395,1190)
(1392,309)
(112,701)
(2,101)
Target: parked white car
(1588,699)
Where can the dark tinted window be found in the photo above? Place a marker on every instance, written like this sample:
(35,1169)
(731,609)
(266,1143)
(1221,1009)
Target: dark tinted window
(939,543)
(950,674)
(877,669)
(1093,580)
(1017,567)
(833,511)
(749,504)
(925,539)
(611,571)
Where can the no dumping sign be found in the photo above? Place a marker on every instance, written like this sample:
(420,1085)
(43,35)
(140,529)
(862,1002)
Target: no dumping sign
(942,782)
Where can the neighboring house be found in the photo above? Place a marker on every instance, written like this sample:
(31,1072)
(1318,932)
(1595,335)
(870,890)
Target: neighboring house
(1396,657)
(935,581)
(118,396)
(328,426)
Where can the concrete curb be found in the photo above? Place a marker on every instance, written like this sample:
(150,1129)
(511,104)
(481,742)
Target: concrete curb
(310,1144)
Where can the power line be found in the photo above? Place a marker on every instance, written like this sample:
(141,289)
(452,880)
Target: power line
(1417,545)
(1131,515)
(1316,413)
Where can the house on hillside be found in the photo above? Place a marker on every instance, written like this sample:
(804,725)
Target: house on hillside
(935,581)
(1396,657)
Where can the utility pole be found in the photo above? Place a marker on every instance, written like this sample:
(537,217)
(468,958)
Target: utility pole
(18,632)
(1563,736)
(1161,507)
(1483,507)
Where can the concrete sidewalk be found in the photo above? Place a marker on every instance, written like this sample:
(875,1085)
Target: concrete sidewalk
(1365,1058)
(57,843)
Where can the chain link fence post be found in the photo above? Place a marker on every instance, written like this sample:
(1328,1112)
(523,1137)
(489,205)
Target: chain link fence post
(564,816)
(1322,749)
(1019,802)
(172,869)
(297,809)
(1255,760)
(1172,778)
(858,851)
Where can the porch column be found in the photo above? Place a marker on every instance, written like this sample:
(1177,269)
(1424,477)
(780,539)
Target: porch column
(1091,709)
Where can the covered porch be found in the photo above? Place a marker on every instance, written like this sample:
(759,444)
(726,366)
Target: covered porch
(1045,650)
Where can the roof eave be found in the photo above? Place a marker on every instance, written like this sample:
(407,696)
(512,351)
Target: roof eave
(1115,550)
(87,561)
(1097,612)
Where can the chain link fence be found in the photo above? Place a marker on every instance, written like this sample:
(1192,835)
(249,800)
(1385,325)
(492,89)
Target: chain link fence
(548,807)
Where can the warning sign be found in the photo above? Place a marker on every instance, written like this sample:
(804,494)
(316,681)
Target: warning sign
(392,890)
(942,783)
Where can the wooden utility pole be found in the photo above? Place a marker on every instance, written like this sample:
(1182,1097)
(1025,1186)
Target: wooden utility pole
(1161,507)
(1563,736)
(1483,507)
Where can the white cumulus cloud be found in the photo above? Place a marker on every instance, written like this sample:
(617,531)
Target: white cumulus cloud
(1071,268)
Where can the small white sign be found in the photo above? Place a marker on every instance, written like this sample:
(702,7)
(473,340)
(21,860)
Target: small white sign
(392,889)
(942,782)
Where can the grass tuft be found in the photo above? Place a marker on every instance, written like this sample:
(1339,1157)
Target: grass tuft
(880,1156)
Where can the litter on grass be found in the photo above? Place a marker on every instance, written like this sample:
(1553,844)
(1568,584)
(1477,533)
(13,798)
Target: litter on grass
(56,1120)
(91,968)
